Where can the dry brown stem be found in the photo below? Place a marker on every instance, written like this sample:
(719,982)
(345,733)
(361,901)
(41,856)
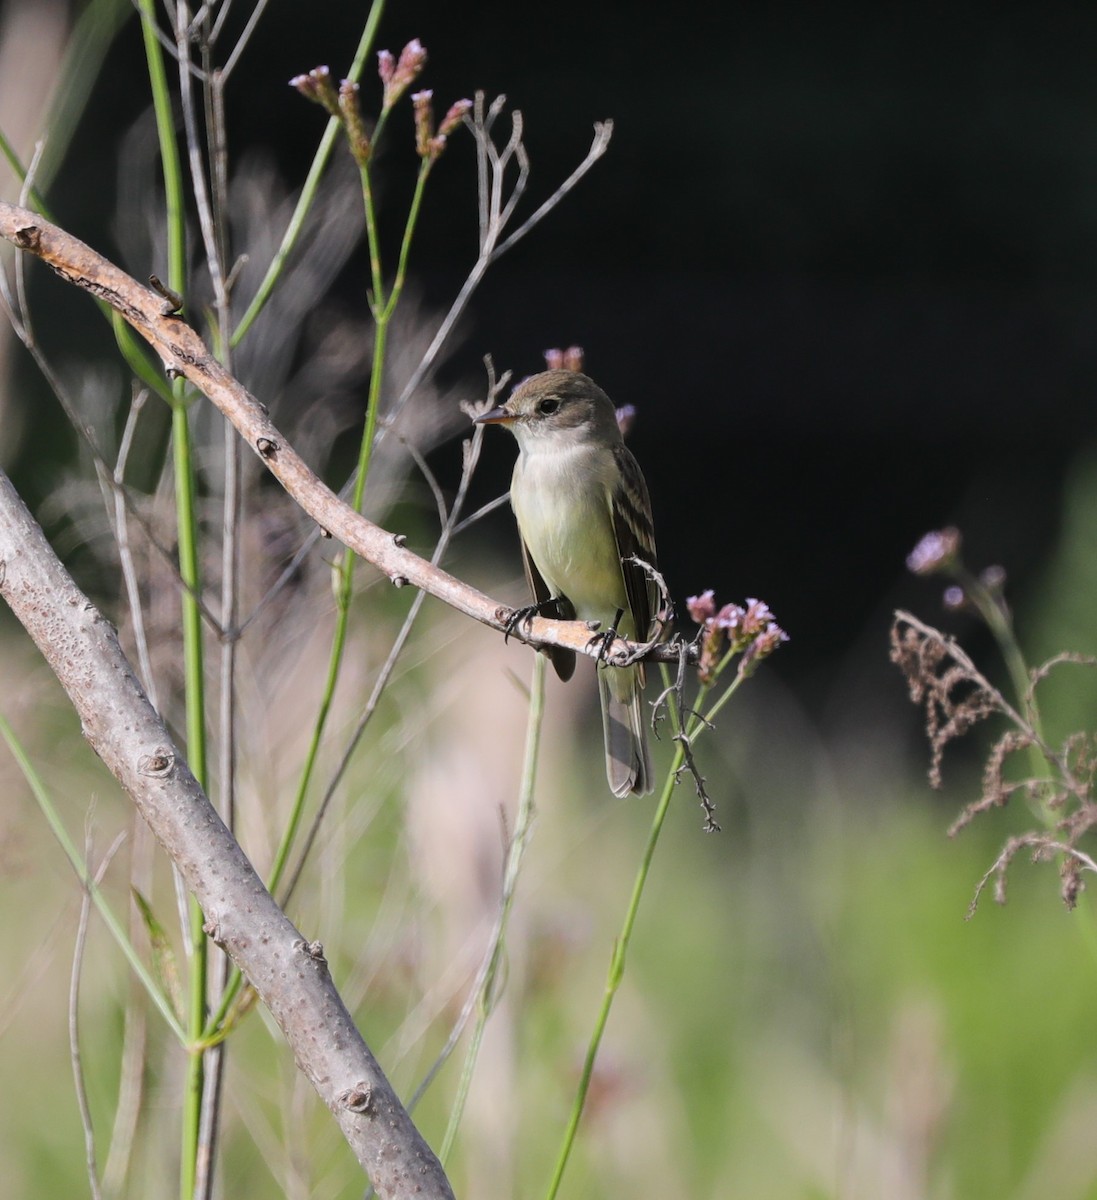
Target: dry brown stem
(183,352)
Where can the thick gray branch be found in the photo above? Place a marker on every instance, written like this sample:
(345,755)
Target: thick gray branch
(289,974)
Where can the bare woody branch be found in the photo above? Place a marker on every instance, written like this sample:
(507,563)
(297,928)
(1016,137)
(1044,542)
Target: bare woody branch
(183,352)
(288,972)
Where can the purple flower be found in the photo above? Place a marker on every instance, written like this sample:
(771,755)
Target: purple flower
(937,551)
(702,607)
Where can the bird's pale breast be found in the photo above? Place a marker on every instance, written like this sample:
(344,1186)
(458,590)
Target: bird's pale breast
(561,499)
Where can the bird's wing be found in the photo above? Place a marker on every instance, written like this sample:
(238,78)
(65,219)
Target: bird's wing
(633,528)
(563,660)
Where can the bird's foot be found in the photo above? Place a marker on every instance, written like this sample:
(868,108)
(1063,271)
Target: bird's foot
(605,638)
(525,614)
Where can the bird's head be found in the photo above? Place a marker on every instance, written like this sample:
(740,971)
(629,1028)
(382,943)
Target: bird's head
(557,404)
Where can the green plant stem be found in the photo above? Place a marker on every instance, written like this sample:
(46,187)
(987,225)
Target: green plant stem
(523,826)
(311,185)
(189,570)
(373,245)
(405,244)
(696,725)
(113,924)
(194,676)
(999,623)
(616,972)
(344,592)
(383,307)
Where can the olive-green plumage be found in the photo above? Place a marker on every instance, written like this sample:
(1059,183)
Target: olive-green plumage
(583,511)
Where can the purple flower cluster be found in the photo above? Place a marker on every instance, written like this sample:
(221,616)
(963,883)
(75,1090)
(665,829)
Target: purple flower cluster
(751,631)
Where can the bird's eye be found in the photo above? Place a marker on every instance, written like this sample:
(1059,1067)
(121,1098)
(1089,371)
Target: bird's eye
(548,406)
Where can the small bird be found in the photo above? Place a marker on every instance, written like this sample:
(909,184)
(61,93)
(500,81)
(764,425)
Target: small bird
(583,512)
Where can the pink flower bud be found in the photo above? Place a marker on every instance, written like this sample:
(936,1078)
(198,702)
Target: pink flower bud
(413,58)
(937,551)
(424,123)
(454,117)
(317,87)
(701,607)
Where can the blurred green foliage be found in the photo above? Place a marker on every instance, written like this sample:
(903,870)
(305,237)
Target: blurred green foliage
(807,1012)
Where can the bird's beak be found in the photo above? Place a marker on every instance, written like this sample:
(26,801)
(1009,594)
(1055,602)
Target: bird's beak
(495,416)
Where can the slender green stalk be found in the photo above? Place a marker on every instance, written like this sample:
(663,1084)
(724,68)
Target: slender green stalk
(171,164)
(405,245)
(344,591)
(189,570)
(383,308)
(696,725)
(615,973)
(990,608)
(523,826)
(373,245)
(194,675)
(113,924)
(311,185)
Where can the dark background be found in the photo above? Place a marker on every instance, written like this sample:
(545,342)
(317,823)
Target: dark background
(841,259)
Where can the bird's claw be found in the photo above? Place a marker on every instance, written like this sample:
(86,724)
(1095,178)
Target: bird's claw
(606,637)
(525,614)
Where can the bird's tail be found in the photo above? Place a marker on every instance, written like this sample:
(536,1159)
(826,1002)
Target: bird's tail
(628,761)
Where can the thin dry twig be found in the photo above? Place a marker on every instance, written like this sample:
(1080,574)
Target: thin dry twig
(470,458)
(183,352)
(1044,847)
(689,766)
(496,208)
(18,317)
(75,1056)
